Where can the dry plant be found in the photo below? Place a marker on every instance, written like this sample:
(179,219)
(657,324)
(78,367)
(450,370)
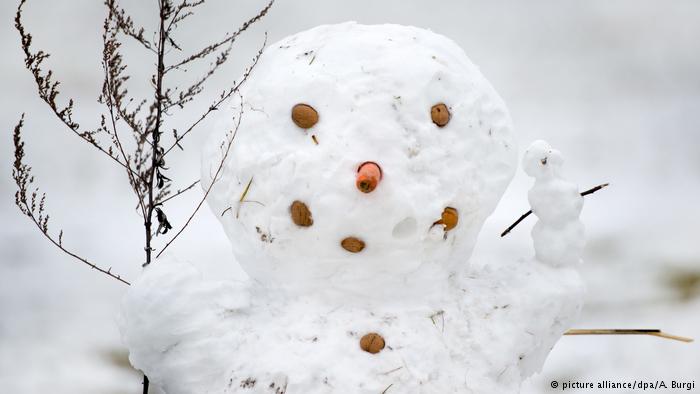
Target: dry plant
(131,131)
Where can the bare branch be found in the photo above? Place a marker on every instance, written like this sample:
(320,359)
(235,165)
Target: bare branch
(188,94)
(111,61)
(155,123)
(179,192)
(229,142)
(144,158)
(528,213)
(229,39)
(27,203)
(126,25)
(222,98)
(182,12)
(48,88)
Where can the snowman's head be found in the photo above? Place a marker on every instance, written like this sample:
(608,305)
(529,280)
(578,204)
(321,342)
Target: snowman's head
(375,154)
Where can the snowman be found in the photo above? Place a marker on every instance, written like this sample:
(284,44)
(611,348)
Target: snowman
(365,163)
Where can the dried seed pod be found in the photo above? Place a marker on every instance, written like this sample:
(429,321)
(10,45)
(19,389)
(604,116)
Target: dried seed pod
(301,215)
(352,244)
(449,219)
(304,116)
(372,343)
(368,176)
(440,114)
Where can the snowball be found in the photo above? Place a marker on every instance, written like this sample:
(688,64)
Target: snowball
(173,322)
(373,89)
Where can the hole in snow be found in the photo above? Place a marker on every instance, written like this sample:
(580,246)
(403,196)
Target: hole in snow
(405,228)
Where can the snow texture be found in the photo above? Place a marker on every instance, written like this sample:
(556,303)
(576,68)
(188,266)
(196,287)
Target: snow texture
(373,88)
(481,333)
(295,325)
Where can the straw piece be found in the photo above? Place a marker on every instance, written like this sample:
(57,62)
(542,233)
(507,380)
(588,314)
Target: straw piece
(615,331)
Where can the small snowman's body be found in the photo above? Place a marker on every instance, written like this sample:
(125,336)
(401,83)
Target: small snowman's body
(366,161)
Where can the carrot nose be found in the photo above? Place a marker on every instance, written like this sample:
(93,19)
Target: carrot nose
(368,176)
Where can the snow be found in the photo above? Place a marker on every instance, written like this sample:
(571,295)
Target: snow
(558,234)
(373,105)
(472,334)
(295,326)
(594,80)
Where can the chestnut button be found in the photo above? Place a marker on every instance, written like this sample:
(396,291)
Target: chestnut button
(372,343)
(304,116)
(440,114)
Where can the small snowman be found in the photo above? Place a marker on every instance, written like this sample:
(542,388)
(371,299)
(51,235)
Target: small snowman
(558,234)
(365,164)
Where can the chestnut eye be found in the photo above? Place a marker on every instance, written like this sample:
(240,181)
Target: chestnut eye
(304,116)
(440,114)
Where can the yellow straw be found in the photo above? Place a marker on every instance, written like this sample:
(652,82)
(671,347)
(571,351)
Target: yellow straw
(652,332)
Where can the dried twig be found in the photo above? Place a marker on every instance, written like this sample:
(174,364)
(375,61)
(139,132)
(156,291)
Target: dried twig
(392,371)
(144,158)
(222,162)
(528,213)
(126,25)
(229,39)
(222,98)
(179,192)
(111,62)
(34,207)
(47,88)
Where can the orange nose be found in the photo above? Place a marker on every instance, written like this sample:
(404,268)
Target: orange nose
(368,176)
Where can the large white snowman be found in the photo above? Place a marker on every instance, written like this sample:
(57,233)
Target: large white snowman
(365,164)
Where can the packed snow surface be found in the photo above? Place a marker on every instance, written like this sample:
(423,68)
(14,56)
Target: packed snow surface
(484,332)
(296,325)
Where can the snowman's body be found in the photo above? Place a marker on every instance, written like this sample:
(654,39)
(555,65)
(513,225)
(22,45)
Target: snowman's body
(296,326)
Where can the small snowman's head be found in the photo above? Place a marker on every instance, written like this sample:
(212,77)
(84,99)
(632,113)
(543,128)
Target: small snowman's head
(364,154)
(540,161)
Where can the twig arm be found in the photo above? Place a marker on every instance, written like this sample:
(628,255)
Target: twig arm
(528,213)
(517,222)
